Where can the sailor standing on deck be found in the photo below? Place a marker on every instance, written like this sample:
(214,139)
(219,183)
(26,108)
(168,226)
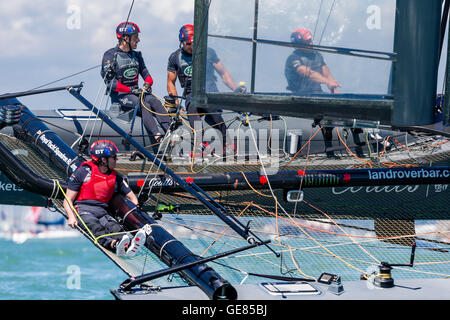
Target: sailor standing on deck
(305,68)
(90,188)
(121,67)
(306,71)
(180,66)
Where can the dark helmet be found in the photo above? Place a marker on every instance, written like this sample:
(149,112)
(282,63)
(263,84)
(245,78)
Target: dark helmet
(186,33)
(301,36)
(126,29)
(103,149)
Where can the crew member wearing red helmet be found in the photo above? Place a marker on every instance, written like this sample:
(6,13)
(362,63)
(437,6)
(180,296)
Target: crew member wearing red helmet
(180,66)
(306,71)
(90,189)
(121,67)
(305,68)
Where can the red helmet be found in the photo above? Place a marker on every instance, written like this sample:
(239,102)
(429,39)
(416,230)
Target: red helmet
(126,29)
(103,149)
(186,33)
(301,36)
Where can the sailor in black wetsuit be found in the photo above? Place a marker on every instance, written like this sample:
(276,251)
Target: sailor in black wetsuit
(306,71)
(122,66)
(180,66)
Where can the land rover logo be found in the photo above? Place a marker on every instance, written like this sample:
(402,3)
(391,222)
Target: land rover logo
(188,71)
(130,73)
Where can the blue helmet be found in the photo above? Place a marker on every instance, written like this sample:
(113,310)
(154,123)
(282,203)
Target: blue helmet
(126,29)
(103,149)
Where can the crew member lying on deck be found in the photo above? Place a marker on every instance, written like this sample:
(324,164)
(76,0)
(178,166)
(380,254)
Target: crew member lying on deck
(90,188)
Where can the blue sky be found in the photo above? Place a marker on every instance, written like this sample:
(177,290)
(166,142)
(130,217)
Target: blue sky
(52,38)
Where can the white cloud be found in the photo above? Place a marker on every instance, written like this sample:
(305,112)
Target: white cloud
(41,27)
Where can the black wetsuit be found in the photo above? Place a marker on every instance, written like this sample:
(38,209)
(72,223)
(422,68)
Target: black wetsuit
(94,213)
(300,84)
(297,83)
(127,66)
(181,63)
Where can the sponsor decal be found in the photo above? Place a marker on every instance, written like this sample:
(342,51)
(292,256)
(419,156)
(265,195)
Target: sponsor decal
(8,185)
(157,182)
(130,73)
(377,189)
(409,174)
(56,150)
(188,71)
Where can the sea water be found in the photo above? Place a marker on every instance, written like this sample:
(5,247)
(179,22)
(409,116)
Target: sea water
(71,268)
(56,269)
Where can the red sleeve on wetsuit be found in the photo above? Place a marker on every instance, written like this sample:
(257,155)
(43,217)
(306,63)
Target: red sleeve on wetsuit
(122,88)
(149,80)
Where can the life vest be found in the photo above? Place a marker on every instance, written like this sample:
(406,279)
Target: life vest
(100,186)
(298,83)
(127,67)
(184,63)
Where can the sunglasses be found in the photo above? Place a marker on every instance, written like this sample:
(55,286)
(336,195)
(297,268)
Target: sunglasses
(113,157)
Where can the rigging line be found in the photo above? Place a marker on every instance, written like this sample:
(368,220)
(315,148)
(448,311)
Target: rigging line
(373,238)
(303,177)
(301,149)
(336,224)
(91,113)
(97,116)
(348,149)
(166,137)
(156,172)
(318,17)
(182,114)
(268,182)
(296,265)
(66,77)
(103,97)
(311,237)
(93,238)
(195,142)
(326,22)
(411,270)
(269,140)
(129,12)
(303,79)
(223,232)
(107,95)
(193,228)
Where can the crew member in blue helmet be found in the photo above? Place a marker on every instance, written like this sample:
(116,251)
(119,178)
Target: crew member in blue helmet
(89,191)
(180,66)
(305,68)
(121,67)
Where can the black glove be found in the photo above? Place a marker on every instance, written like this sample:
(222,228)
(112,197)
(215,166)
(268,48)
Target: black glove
(241,89)
(147,88)
(136,92)
(108,68)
